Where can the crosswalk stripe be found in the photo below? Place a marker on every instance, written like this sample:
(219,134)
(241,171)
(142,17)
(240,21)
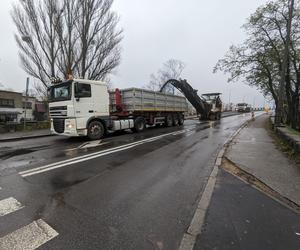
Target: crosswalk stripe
(9,205)
(28,237)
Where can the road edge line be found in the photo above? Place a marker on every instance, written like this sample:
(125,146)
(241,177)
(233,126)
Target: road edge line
(194,230)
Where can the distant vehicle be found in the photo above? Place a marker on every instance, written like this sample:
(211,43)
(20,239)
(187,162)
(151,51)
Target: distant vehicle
(86,108)
(243,107)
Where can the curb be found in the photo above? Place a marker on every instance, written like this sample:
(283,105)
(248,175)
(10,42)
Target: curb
(194,230)
(24,137)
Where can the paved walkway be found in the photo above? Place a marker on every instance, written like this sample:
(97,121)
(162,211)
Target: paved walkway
(242,218)
(254,151)
(23,135)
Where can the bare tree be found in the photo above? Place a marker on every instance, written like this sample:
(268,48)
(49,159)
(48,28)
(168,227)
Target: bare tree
(59,37)
(171,69)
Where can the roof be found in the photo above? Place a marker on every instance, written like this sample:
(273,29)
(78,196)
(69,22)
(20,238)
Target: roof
(81,81)
(210,94)
(10,91)
(90,81)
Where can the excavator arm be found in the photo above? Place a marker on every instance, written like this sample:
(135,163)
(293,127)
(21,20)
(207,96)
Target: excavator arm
(201,106)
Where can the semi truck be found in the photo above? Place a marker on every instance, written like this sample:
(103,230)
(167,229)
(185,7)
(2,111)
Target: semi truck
(81,107)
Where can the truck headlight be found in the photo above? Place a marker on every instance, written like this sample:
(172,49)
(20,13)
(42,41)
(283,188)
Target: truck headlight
(70,126)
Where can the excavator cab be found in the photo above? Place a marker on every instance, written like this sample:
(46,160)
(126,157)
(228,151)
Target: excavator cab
(213,98)
(216,105)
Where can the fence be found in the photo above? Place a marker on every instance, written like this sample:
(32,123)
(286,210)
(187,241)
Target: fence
(30,125)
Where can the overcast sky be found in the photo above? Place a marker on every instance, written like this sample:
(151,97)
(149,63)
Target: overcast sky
(197,32)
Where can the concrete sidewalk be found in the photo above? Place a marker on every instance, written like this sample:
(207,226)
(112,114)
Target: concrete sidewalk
(241,216)
(13,136)
(254,151)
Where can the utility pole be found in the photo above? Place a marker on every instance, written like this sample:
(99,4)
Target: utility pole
(279,116)
(26,99)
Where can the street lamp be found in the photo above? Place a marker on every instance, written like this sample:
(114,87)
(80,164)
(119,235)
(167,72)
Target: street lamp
(26,99)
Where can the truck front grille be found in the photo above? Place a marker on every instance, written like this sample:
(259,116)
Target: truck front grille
(59,111)
(59,125)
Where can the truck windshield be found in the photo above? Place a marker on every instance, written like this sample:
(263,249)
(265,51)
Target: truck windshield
(60,92)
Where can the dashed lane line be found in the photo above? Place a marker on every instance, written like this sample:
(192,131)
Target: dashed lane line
(9,205)
(29,237)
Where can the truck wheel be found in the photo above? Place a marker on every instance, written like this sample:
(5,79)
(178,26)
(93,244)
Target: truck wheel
(175,120)
(95,130)
(139,124)
(180,119)
(169,121)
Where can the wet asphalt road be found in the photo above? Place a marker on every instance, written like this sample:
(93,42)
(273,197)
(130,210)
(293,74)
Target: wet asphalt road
(139,196)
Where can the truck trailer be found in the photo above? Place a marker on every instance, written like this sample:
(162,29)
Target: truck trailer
(81,107)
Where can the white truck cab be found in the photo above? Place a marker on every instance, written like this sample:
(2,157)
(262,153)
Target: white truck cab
(73,103)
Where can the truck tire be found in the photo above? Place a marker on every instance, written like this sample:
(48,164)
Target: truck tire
(169,121)
(95,130)
(180,119)
(175,120)
(139,124)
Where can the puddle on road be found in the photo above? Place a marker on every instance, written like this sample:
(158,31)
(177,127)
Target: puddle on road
(9,153)
(5,166)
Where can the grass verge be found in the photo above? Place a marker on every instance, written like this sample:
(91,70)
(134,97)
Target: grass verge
(282,145)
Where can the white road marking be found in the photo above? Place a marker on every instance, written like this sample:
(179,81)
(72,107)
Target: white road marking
(179,132)
(190,133)
(29,237)
(189,238)
(9,205)
(90,144)
(72,161)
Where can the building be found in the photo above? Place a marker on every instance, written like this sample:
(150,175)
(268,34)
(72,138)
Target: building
(11,106)
(14,107)
(28,105)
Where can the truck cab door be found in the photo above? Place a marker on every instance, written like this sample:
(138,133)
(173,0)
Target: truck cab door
(83,104)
